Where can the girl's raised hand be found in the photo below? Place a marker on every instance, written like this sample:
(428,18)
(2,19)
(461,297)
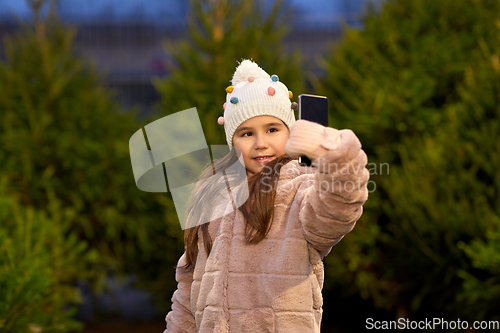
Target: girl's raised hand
(311,139)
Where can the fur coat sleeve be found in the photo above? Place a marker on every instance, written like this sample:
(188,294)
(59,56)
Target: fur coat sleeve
(181,319)
(331,207)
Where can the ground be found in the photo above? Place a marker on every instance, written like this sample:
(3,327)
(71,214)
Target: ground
(120,326)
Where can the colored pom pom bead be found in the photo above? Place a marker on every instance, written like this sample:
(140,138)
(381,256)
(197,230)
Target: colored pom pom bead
(224,106)
(251,79)
(274,78)
(290,94)
(271,91)
(234,100)
(295,106)
(220,121)
(229,89)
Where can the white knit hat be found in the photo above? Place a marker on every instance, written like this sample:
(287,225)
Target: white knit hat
(254,93)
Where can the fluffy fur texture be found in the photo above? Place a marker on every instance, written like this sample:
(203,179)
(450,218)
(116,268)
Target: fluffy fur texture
(275,285)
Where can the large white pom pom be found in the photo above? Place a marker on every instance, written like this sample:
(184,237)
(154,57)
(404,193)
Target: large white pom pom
(245,69)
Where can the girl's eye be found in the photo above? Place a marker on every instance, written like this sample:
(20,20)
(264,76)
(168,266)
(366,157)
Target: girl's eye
(272,130)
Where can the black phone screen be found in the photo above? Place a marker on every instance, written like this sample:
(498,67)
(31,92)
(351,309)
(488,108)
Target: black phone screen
(313,108)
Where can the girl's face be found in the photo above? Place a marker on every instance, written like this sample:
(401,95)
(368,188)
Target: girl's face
(261,136)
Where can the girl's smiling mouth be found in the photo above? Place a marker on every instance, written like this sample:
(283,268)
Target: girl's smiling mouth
(263,158)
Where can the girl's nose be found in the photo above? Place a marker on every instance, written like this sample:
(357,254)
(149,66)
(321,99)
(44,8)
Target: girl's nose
(260,142)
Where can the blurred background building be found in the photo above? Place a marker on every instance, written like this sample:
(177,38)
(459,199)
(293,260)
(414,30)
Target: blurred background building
(125,37)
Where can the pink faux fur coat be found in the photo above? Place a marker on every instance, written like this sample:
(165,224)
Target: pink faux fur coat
(275,285)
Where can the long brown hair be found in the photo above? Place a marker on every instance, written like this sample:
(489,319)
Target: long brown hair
(257,210)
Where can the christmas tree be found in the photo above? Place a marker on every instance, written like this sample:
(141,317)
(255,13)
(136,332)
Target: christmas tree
(419,85)
(222,33)
(63,136)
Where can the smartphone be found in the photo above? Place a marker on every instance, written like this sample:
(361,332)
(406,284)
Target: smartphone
(313,108)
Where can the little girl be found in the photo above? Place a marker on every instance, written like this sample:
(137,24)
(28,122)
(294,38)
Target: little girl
(258,267)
